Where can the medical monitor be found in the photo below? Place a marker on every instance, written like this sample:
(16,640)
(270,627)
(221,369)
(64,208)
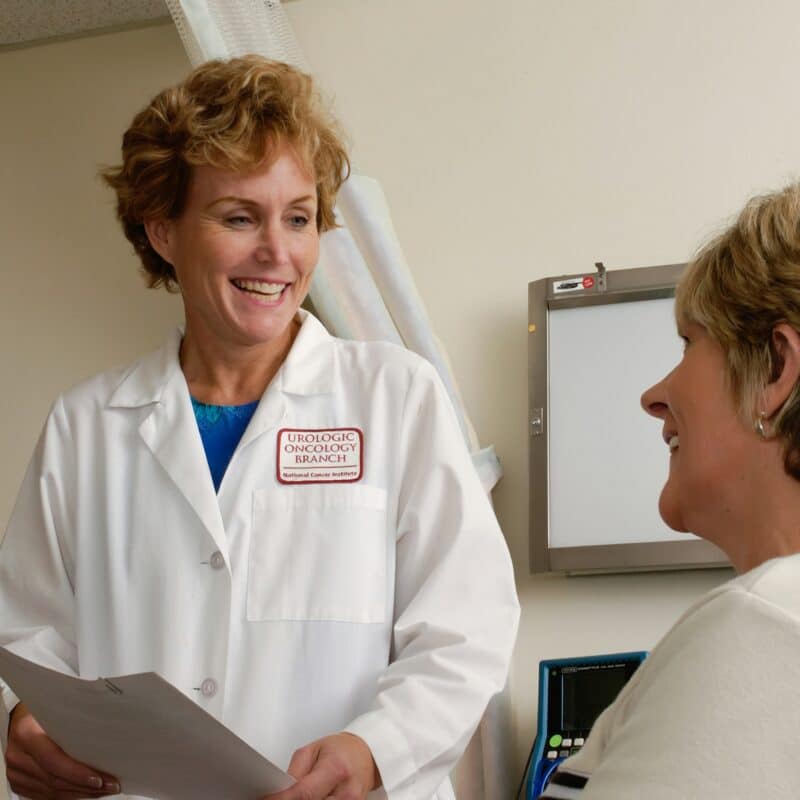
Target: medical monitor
(573,692)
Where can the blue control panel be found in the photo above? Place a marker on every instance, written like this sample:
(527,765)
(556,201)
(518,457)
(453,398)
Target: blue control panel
(572,694)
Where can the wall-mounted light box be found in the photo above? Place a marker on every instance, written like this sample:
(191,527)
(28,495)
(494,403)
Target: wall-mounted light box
(596,341)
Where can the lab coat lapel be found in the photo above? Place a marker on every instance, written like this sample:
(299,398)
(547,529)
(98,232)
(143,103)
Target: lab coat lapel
(270,413)
(310,366)
(170,429)
(307,370)
(170,432)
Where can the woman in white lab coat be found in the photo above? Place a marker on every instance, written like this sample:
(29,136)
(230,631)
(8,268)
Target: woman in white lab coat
(712,713)
(284,525)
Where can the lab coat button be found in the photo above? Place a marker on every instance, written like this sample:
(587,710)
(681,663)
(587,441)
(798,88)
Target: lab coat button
(208,688)
(217,560)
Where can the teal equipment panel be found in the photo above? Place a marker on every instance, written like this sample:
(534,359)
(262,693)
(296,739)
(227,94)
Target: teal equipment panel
(573,692)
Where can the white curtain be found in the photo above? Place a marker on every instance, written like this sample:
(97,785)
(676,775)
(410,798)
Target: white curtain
(362,289)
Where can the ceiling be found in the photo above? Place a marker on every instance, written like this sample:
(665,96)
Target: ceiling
(27,22)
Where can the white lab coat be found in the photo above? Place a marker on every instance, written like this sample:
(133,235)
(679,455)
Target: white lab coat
(384,607)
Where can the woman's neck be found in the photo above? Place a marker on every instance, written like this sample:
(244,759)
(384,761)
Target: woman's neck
(219,373)
(761,522)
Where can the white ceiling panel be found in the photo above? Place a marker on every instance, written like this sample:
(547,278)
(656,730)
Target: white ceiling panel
(25,22)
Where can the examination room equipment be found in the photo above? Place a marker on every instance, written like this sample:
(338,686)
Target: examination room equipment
(572,694)
(596,340)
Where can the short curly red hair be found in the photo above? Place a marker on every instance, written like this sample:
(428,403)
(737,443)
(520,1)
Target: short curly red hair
(231,114)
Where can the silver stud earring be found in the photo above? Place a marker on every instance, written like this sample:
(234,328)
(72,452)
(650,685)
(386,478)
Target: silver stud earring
(761,429)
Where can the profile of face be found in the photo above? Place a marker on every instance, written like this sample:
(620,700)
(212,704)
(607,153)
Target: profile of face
(710,448)
(244,251)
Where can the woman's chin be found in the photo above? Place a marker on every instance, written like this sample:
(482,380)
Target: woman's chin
(670,510)
(262,329)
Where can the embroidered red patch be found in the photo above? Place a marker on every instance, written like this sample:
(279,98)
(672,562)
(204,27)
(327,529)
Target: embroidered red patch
(321,455)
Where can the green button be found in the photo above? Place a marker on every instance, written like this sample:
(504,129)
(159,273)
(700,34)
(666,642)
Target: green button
(555,740)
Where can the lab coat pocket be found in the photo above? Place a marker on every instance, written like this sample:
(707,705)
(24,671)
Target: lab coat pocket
(318,552)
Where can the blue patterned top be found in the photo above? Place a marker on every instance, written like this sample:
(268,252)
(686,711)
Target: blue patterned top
(221,428)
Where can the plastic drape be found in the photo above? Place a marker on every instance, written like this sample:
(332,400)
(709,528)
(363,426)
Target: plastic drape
(362,289)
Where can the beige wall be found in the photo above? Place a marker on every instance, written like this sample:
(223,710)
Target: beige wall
(71,300)
(514,140)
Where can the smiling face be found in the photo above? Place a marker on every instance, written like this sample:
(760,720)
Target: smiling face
(244,251)
(711,449)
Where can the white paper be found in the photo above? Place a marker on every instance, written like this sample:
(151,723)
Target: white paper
(145,732)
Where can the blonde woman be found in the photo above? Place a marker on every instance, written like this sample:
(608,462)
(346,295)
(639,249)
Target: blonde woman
(284,525)
(712,714)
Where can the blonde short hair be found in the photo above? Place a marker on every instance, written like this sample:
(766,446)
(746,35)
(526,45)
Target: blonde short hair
(739,287)
(232,114)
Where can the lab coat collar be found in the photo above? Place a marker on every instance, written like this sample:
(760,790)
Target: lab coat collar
(170,429)
(309,367)
(147,380)
(307,370)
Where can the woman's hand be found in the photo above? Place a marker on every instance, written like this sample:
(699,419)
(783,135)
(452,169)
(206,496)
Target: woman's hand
(38,768)
(339,766)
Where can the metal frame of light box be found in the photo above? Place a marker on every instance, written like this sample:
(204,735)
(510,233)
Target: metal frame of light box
(616,286)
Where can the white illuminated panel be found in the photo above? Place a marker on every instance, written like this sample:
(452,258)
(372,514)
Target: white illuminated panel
(610,463)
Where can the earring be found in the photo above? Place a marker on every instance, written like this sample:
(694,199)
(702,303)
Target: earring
(761,429)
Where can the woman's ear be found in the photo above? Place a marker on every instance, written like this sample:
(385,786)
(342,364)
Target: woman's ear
(158,232)
(786,349)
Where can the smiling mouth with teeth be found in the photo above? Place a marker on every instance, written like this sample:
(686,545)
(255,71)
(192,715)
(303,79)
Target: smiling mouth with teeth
(262,288)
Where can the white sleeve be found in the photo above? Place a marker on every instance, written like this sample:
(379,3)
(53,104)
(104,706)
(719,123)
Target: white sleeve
(36,597)
(713,716)
(456,608)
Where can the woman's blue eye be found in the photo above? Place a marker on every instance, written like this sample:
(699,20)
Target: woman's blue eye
(299,221)
(238,221)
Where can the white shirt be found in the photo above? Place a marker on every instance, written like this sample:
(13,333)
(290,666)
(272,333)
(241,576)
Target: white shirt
(385,606)
(712,714)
